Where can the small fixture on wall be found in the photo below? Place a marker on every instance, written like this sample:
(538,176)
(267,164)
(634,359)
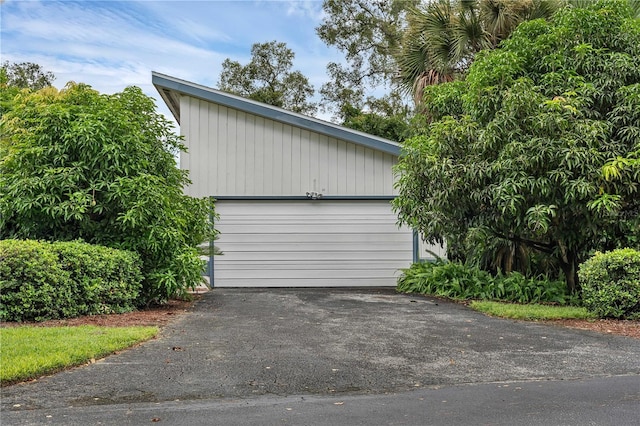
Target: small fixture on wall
(314,195)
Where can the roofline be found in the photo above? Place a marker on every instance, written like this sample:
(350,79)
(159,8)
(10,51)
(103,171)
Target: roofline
(167,86)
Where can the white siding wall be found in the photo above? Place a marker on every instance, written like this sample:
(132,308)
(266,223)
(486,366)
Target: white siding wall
(234,153)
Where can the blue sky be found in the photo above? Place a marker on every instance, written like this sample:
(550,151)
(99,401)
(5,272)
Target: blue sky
(114,44)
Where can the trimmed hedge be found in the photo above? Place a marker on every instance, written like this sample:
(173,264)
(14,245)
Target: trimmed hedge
(611,284)
(42,280)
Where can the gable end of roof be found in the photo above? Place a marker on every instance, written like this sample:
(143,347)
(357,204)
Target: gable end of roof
(171,88)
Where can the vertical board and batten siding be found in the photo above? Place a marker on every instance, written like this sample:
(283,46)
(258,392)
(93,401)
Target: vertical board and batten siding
(305,243)
(232,153)
(260,170)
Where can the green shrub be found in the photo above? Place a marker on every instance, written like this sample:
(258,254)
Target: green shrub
(611,284)
(33,285)
(459,281)
(450,279)
(41,280)
(107,280)
(515,287)
(76,164)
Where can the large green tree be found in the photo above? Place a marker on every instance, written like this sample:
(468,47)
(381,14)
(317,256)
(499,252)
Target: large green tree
(75,164)
(269,78)
(367,33)
(443,36)
(15,77)
(516,151)
(26,75)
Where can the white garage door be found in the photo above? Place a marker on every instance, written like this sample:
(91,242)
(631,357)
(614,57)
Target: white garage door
(309,243)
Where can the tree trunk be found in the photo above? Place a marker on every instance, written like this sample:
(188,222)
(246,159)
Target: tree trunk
(569,265)
(571,276)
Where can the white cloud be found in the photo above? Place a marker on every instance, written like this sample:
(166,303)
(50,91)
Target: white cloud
(113,44)
(307,9)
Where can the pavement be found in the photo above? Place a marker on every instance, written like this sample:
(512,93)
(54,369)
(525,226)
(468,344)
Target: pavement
(344,357)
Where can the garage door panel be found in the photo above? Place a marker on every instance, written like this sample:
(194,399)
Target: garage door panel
(238,266)
(309,243)
(303,238)
(311,255)
(315,208)
(323,217)
(317,228)
(317,274)
(308,282)
(373,246)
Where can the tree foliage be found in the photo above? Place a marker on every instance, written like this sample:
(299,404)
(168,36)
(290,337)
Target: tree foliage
(269,78)
(516,151)
(15,77)
(386,117)
(75,164)
(26,75)
(367,33)
(443,36)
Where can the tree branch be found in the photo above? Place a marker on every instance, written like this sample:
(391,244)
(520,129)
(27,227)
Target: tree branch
(543,247)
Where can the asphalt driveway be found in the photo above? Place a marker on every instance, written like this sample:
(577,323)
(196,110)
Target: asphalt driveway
(270,347)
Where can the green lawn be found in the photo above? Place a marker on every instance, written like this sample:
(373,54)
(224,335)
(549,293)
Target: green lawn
(28,352)
(530,312)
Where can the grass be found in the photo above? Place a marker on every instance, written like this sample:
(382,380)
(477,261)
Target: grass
(530,312)
(28,352)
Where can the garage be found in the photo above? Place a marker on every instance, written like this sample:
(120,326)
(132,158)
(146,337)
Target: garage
(301,202)
(309,243)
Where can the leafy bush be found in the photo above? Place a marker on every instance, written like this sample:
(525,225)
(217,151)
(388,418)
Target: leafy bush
(107,280)
(452,280)
(498,163)
(515,287)
(611,284)
(41,280)
(459,281)
(75,164)
(33,284)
